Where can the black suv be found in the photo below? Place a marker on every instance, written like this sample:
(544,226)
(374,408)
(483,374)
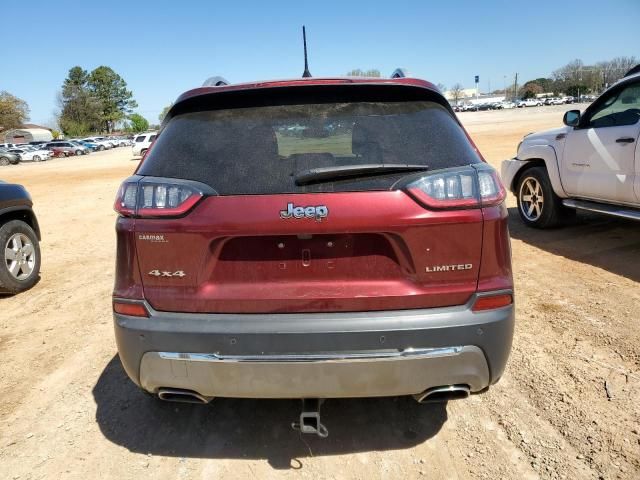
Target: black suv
(19,237)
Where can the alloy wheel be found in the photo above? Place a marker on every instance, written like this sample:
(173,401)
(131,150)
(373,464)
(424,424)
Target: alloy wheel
(531,199)
(19,256)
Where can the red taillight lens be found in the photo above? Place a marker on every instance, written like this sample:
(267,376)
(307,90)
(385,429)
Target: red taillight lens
(126,199)
(144,199)
(131,309)
(491,190)
(466,187)
(492,302)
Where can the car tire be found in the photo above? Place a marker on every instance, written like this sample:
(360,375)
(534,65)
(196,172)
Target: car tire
(15,238)
(143,152)
(4,161)
(36,158)
(538,205)
(101,147)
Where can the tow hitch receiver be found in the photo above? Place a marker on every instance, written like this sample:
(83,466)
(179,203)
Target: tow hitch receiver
(310,418)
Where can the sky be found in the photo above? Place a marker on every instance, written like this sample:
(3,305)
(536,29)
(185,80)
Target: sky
(163,48)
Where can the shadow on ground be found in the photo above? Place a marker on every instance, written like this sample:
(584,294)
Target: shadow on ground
(260,429)
(599,240)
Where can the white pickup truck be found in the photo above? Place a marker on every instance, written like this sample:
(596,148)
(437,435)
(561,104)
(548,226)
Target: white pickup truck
(592,163)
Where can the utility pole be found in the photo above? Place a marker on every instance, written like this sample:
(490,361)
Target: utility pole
(477,79)
(515,87)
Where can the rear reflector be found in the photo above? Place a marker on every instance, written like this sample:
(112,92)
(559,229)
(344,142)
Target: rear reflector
(131,309)
(492,302)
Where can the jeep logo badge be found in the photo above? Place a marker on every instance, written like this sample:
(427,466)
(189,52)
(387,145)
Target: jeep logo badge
(318,212)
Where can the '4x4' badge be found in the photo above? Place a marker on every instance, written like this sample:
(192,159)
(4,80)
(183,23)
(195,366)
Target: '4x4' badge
(158,273)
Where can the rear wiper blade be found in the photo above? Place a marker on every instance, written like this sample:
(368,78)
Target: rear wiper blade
(321,174)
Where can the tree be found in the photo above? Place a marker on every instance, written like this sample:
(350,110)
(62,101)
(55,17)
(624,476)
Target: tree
(530,90)
(80,109)
(456,93)
(164,112)
(13,111)
(111,90)
(614,69)
(137,123)
(363,73)
(576,90)
(441,87)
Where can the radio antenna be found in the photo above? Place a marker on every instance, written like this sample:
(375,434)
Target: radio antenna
(306,72)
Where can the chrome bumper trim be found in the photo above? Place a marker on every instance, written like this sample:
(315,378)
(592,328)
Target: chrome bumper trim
(413,353)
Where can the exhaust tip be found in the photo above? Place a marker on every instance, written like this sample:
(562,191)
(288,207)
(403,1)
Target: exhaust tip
(443,394)
(182,396)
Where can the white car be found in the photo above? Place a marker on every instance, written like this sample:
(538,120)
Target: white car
(529,102)
(31,154)
(592,163)
(102,144)
(508,105)
(142,142)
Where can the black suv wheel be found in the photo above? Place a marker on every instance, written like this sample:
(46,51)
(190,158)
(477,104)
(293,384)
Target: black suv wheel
(20,255)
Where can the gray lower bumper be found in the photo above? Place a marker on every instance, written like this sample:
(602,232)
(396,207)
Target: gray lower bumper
(322,355)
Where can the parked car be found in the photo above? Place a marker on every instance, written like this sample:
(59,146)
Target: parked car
(19,240)
(84,150)
(470,107)
(31,154)
(114,143)
(92,147)
(557,101)
(7,146)
(8,158)
(122,141)
(66,147)
(379,266)
(142,142)
(529,102)
(507,105)
(102,144)
(562,170)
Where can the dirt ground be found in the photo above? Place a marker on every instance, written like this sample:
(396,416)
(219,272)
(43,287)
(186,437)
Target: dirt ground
(67,409)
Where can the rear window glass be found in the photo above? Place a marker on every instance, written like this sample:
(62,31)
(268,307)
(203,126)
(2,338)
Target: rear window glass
(259,150)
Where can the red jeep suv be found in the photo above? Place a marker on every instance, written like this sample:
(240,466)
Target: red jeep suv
(313,238)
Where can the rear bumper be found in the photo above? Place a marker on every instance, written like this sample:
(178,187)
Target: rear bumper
(361,354)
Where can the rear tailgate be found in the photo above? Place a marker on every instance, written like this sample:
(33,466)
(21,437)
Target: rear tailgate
(373,251)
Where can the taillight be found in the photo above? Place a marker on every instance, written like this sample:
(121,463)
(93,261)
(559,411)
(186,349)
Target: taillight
(466,187)
(491,302)
(157,199)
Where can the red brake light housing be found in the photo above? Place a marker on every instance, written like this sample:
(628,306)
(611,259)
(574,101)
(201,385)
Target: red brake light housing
(130,309)
(156,198)
(491,302)
(472,186)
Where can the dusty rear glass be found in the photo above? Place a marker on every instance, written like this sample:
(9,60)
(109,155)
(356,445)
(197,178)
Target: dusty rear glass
(259,150)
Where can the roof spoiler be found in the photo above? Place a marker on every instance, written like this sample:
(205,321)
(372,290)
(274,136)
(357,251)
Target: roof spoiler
(400,73)
(215,82)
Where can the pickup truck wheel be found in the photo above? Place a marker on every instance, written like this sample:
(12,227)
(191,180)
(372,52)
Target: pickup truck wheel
(19,257)
(538,205)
